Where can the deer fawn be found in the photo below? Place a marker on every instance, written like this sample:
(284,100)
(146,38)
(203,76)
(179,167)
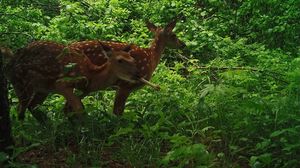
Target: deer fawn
(147,59)
(43,67)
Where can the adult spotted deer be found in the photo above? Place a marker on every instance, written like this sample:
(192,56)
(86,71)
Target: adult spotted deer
(43,67)
(147,59)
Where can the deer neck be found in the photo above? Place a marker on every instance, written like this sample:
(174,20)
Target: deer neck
(157,48)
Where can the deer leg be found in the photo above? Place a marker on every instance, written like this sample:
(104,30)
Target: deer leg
(120,100)
(21,111)
(27,99)
(72,99)
(23,101)
(67,106)
(38,99)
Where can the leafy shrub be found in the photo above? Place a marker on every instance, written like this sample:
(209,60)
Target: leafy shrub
(230,99)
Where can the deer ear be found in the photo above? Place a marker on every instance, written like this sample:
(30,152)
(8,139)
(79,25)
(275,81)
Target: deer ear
(106,48)
(180,16)
(151,26)
(127,48)
(170,26)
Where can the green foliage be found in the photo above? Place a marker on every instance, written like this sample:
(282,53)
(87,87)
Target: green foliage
(231,99)
(186,154)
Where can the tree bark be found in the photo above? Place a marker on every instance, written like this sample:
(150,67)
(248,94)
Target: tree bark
(5,129)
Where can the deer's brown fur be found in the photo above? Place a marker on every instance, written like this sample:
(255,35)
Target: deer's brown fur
(43,67)
(147,59)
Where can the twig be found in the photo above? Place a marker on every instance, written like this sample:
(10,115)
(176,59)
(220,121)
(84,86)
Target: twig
(156,87)
(273,74)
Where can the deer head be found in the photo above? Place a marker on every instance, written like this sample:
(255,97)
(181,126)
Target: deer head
(120,63)
(124,66)
(165,34)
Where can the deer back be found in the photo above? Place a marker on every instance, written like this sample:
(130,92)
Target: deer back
(37,60)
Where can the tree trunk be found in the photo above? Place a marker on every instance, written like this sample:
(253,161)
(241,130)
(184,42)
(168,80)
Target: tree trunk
(5,129)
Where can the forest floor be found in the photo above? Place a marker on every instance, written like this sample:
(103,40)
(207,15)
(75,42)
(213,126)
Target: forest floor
(44,156)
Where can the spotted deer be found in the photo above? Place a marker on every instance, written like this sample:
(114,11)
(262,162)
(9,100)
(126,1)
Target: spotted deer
(43,67)
(147,59)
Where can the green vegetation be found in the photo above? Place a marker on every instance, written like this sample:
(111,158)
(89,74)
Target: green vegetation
(230,99)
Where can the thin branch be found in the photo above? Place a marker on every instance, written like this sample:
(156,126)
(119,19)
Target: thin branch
(273,74)
(228,68)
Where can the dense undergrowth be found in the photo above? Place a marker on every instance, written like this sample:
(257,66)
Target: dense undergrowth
(230,99)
